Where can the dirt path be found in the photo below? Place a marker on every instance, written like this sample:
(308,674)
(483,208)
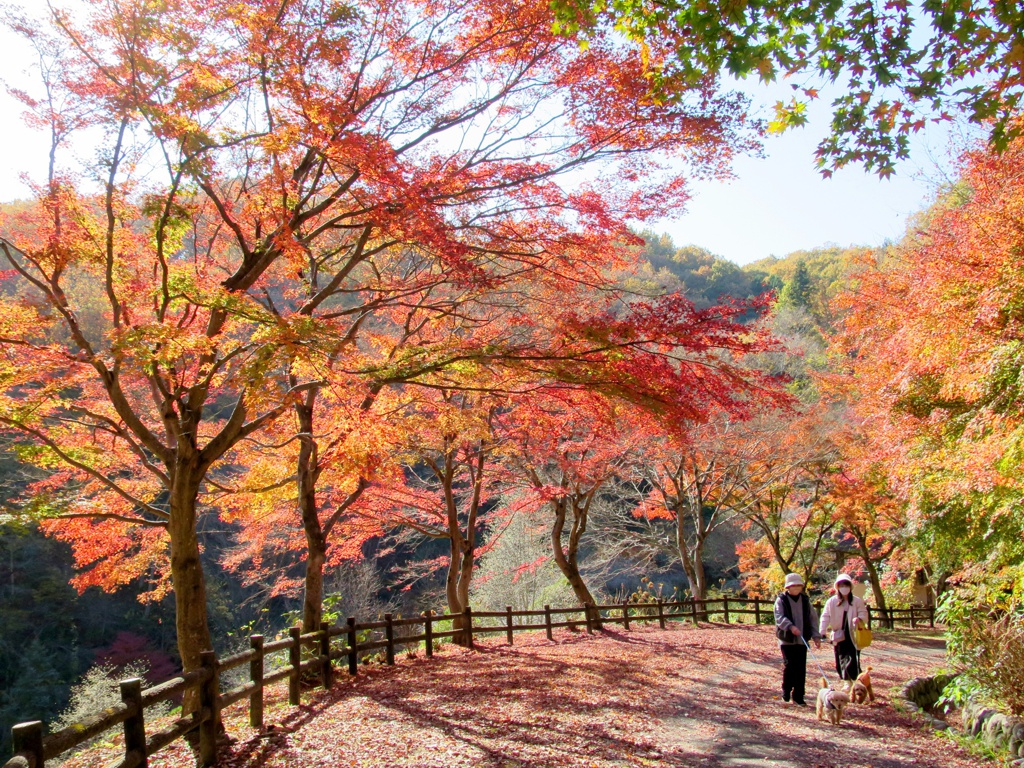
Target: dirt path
(699,698)
(751,726)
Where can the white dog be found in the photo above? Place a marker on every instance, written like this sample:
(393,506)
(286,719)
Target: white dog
(831,703)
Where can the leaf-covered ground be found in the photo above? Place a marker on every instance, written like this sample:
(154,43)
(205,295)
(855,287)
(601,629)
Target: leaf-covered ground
(679,697)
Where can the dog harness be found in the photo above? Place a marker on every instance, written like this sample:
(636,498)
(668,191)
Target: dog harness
(828,700)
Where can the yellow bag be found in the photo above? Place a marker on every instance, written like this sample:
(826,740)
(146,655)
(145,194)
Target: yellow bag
(863,638)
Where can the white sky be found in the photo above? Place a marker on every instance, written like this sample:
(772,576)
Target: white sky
(773,206)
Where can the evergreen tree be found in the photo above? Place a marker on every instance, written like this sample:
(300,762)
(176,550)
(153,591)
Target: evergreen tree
(799,290)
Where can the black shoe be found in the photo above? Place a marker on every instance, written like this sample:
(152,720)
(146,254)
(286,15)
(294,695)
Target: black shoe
(800,702)
(785,696)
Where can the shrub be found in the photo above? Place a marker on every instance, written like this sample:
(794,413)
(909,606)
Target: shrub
(99,689)
(985,619)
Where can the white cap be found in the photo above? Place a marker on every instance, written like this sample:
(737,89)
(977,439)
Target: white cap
(843,577)
(793,580)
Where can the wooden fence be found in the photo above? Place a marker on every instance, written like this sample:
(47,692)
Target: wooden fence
(32,749)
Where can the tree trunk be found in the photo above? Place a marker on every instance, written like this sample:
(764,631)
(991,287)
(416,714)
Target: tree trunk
(568,562)
(316,544)
(460,572)
(873,577)
(693,561)
(187,574)
(313,588)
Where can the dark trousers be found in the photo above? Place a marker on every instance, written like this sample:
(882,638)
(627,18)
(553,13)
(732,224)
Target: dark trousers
(847,660)
(794,670)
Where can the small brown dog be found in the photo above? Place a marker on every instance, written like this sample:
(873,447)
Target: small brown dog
(861,692)
(831,703)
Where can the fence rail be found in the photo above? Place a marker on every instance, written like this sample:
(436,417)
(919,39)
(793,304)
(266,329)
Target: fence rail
(32,749)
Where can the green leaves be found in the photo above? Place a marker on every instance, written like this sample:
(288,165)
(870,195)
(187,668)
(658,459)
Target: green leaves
(970,61)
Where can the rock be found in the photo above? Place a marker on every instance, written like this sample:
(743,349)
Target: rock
(940,725)
(992,730)
(979,721)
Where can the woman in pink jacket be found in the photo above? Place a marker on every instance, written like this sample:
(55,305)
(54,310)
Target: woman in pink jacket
(842,614)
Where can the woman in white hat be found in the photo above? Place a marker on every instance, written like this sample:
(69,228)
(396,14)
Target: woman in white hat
(795,621)
(842,614)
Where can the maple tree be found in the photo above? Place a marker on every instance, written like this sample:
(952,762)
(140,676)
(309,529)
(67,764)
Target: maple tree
(928,358)
(866,509)
(898,65)
(695,481)
(787,468)
(563,448)
(440,483)
(490,339)
(255,159)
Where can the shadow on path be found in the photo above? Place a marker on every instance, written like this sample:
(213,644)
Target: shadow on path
(680,697)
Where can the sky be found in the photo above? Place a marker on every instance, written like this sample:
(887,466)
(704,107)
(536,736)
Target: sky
(780,203)
(773,206)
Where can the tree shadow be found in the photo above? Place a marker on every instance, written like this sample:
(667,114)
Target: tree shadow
(535,705)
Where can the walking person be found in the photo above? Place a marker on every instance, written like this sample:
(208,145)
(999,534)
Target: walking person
(795,621)
(842,614)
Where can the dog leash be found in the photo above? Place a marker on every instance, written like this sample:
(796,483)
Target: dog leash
(816,663)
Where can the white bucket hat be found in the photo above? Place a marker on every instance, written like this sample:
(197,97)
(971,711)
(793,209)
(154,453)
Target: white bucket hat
(843,577)
(793,580)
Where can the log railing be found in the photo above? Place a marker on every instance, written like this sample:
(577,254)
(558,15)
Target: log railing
(32,749)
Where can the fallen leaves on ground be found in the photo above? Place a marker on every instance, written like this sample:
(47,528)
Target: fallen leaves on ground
(684,696)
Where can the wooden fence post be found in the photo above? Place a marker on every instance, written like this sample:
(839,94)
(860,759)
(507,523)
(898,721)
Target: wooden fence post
(468,616)
(135,725)
(588,615)
(869,617)
(256,676)
(913,618)
(693,609)
(508,624)
(326,670)
(661,613)
(353,657)
(725,608)
(625,615)
(295,661)
(547,621)
(389,638)
(428,633)
(931,617)
(28,738)
(209,693)
(757,609)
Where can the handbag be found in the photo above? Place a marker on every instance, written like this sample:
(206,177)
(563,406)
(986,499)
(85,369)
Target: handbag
(863,637)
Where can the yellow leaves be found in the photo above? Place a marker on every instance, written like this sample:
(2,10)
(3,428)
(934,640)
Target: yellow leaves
(21,322)
(154,346)
(791,115)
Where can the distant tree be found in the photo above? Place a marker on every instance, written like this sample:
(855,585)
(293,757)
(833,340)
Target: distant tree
(830,269)
(798,291)
(696,482)
(517,568)
(704,278)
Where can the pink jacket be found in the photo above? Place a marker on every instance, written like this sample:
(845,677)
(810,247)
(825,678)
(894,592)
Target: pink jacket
(832,616)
